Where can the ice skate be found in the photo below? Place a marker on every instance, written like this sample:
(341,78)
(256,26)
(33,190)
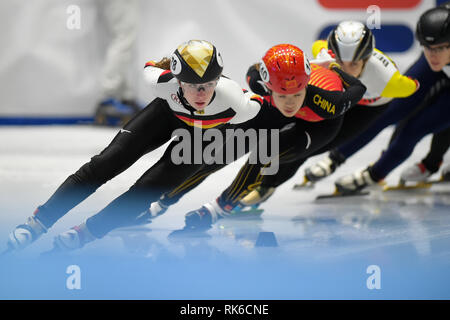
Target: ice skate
(445,173)
(25,234)
(246,212)
(204,217)
(257,196)
(321,169)
(73,239)
(354,182)
(197,223)
(248,205)
(415,177)
(156,209)
(338,194)
(415,173)
(420,180)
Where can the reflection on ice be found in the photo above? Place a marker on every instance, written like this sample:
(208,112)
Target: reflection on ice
(296,249)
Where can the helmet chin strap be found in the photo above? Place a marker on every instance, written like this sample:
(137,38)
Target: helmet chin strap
(363,67)
(184,102)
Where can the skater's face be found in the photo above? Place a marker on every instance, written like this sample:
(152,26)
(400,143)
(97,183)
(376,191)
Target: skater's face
(437,55)
(199,95)
(289,104)
(353,68)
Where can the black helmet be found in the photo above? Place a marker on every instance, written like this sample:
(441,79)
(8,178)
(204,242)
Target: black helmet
(433,26)
(351,41)
(196,61)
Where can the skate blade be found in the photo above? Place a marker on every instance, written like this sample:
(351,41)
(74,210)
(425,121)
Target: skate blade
(438,181)
(131,229)
(303,186)
(420,185)
(400,187)
(306,184)
(337,194)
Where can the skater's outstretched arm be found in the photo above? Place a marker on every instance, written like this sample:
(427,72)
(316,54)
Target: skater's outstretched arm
(439,146)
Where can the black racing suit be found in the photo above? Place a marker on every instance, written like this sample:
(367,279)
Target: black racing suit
(148,130)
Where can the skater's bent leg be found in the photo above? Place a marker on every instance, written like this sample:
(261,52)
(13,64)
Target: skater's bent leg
(148,130)
(286,171)
(317,135)
(439,146)
(351,146)
(434,118)
(248,178)
(164,176)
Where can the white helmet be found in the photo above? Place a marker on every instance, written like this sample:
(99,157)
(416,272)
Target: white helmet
(351,41)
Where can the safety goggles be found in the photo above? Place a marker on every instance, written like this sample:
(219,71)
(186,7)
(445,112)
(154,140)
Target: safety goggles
(436,49)
(207,86)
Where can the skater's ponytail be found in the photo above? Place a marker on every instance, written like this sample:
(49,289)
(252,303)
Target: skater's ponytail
(164,63)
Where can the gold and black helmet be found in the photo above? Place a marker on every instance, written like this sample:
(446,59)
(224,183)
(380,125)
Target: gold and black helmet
(196,61)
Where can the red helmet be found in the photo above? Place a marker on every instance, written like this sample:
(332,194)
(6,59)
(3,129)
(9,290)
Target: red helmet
(285,69)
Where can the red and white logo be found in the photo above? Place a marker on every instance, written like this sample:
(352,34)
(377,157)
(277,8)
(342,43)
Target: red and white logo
(175,98)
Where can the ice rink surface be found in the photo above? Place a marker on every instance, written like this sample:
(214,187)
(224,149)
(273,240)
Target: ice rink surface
(298,249)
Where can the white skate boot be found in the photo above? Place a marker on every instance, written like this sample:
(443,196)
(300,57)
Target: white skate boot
(25,234)
(73,239)
(416,173)
(354,182)
(204,217)
(321,169)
